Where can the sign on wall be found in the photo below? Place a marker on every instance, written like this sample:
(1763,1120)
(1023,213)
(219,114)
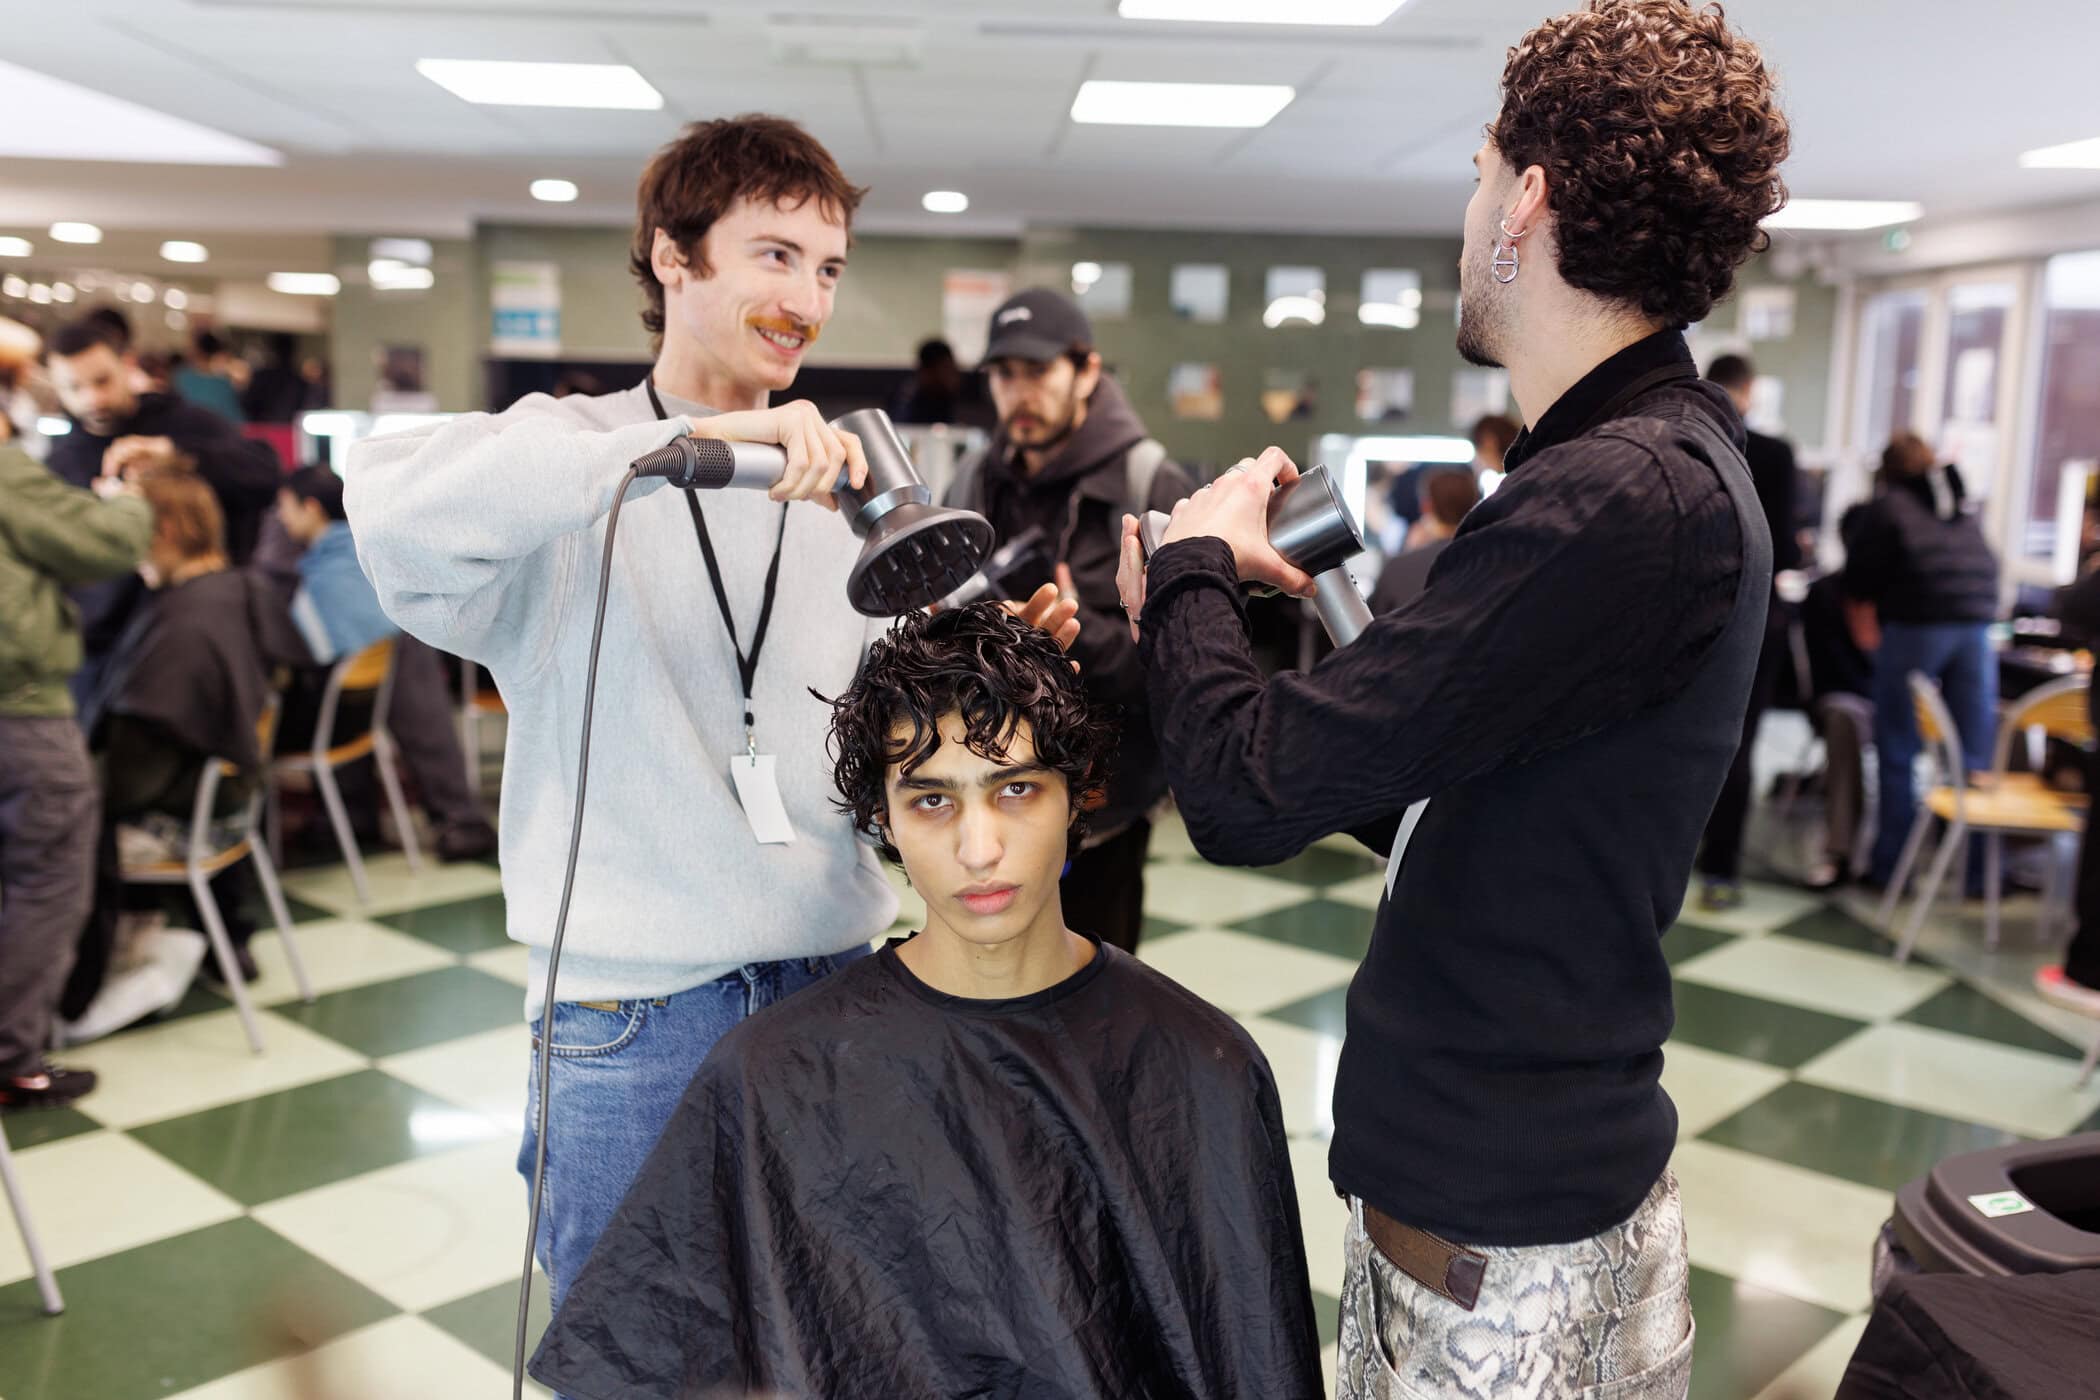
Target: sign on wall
(524,308)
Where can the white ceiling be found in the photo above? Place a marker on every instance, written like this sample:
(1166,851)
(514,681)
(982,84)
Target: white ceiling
(1930,100)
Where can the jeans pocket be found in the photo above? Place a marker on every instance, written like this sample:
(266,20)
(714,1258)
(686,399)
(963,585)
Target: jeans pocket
(1668,1379)
(582,1032)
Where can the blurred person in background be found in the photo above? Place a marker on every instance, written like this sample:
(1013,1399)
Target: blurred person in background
(2075,982)
(1840,635)
(933,394)
(1493,435)
(213,378)
(1920,559)
(1449,495)
(1772,471)
(276,393)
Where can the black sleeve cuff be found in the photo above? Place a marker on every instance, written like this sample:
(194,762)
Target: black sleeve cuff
(1198,563)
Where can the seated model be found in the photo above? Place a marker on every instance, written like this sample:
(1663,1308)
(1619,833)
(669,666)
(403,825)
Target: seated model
(997,1158)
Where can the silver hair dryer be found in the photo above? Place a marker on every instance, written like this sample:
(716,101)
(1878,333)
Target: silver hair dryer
(1311,527)
(913,552)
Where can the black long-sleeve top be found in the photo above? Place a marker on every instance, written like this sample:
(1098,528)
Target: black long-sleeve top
(1569,690)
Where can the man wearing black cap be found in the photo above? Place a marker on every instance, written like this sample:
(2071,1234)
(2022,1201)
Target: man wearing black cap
(1070,459)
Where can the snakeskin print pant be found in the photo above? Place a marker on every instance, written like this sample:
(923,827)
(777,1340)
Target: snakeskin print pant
(1606,1318)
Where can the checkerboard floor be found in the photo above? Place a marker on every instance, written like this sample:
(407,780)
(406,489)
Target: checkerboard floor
(340,1217)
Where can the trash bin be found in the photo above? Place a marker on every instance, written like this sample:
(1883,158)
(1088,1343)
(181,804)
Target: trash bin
(2031,1208)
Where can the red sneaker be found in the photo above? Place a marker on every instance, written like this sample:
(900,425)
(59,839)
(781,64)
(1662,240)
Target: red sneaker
(2054,987)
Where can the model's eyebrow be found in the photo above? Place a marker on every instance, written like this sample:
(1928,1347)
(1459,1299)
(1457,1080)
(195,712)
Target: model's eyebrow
(998,777)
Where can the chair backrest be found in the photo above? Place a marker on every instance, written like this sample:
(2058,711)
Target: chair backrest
(1942,739)
(2059,709)
(369,670)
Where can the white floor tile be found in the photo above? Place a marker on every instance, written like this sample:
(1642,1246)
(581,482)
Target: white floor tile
(1170,839)
(1707,1087)
(484,1072)
(1241,973)
(1207,895)
(1814,975)
(1322,1215)
(1821,1368)
(417,1234)
(403,1357)
(1365,891)
(99,1193)
(201,1062)
(1303,1063)
(1764,908)
(340,953)
(2022,1091)
(911,909)
(1782,1227)
(512,962)
(394,887)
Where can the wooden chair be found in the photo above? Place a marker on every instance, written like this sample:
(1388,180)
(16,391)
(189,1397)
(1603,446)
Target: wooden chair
(477,706)
(370,671)
(1995,810)
(203,858)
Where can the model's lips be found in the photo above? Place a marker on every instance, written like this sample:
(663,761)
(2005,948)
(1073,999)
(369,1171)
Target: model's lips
(987,902)
(788,337)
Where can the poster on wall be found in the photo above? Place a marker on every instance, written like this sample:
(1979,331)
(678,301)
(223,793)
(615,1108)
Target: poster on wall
(1196,391)
(525,309)
(397,381)
(1768,313)
(1289,395)
(1200,291)
(1384,395)
(968,299)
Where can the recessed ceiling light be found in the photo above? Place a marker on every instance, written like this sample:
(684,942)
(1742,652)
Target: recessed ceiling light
(944,201)
(40,293)
(1085,274)
(305,284)
(142,292)
(554,191)
(14,286)
(180,250)
(16,248)
(1105,103)
(502,84)
(1362,13)
(1844,215)
(46,118)
(76,233)
(175,298)
(2074,155)
(62,291)
(1284,310)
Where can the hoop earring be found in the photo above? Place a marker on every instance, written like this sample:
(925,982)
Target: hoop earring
(1505,256)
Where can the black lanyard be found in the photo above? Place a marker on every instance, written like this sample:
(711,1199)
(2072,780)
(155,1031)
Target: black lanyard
(746,664)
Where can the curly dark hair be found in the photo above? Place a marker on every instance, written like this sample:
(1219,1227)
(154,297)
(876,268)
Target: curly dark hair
(994,670)
(1661,139)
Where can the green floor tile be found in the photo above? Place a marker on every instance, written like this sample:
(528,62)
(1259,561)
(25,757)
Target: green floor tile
(1748,1335)
(1963,1009)
(262,1149)
(1756,1029)
(1328,1313)
(488,1321)
(1321,865)
(201,999)
(1156,927)
(1860,1139)
(1833,927)
(1687,941)
(1324,925)
(1326,1013)
(408,1013)
(173,1315)
(469,926)
(33,1127)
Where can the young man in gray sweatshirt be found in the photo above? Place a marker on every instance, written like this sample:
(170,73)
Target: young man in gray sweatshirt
(483,536)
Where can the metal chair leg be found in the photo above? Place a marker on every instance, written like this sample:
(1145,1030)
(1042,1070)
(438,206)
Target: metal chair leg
(273,895)
(1957,835)
(2092,1057)
(387,761)
(1993,867)
(339,818)
(222,949)
(46,1281)
(1893,896)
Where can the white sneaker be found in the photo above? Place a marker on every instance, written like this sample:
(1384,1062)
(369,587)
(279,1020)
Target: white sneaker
(2058,990)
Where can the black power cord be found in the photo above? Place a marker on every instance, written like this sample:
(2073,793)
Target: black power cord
(561,927)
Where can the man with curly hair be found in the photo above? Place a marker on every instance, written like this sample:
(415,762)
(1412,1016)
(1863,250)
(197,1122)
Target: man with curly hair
(1535,741)
(997,1158)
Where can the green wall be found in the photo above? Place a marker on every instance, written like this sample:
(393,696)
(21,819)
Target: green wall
(892,299)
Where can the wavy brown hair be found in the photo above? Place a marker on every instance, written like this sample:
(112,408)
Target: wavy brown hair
(1661,138)
(700,176)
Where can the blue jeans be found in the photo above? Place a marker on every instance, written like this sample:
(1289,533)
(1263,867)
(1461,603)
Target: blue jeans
(1958,656)
(619,1069)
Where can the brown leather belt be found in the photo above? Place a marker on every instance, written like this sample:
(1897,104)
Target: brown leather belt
(1448,1270)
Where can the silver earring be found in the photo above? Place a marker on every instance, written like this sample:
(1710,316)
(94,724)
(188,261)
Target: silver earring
(1505,264)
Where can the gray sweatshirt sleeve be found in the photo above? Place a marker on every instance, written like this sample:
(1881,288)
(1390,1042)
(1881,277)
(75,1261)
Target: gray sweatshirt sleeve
(474,530)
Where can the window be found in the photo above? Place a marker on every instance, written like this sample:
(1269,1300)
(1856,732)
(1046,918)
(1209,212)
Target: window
(1892,334)
(2067,425)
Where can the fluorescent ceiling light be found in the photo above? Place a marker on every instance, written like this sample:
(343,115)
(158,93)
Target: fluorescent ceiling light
(1105,103)
(1307,309)
(46,118)
(944,201)
(500,84)
(413,251)
(181,250)
(1389,313)
(2074,155)
(1844,215)
(76,233)
(15,248)
(1362,13)
(1085,274)
(305,284)
(389,275)
(554,191)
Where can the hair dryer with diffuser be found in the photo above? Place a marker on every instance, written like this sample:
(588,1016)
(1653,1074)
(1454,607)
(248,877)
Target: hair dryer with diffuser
(1311,527)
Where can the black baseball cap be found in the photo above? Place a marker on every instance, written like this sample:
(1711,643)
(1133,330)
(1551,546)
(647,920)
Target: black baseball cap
(1038,325)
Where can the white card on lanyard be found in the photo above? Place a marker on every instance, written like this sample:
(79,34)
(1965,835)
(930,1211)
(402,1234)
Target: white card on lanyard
(759,793)
(1409,820)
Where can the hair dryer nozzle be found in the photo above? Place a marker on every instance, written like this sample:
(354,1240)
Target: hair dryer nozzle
(916,553)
